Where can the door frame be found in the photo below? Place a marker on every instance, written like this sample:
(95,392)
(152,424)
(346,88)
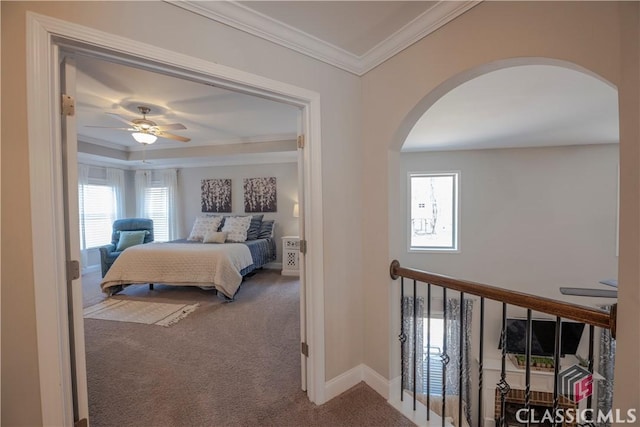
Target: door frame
(45,35)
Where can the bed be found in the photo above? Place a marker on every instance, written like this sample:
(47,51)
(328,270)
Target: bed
(191,262)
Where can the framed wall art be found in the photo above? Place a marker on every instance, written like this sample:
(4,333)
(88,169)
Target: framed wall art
(216,195)
(260,195)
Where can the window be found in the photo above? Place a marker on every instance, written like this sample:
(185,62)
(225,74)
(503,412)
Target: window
(100,202)
(97,209)
(433,350)
(156,196)
(433,222)
(156,205)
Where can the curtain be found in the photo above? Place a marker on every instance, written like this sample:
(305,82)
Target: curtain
(115,179)
(455,345)
(606,362)
(142,182)
(408,343)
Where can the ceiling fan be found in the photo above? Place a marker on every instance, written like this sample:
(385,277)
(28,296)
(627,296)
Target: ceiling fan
(588,292)
(146,131)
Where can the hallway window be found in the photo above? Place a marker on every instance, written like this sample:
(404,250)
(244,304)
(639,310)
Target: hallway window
(433,222)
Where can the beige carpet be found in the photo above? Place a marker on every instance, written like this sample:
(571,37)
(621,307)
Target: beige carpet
(226,364)
(147,312)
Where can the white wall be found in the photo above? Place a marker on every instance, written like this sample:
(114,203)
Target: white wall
(286,175)
(531,220)
(529,217)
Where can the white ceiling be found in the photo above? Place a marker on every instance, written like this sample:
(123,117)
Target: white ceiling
(514,107)
(524,106)
(214,117)
(353,35)
(355,26)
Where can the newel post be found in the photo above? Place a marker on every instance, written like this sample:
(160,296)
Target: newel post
(395,264)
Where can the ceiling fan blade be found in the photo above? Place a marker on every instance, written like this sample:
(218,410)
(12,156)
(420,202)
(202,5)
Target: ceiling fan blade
(588,292)
(172,136)
(122,119)
(173,126)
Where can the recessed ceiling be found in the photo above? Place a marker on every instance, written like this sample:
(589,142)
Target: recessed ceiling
(523,106)
(212,116)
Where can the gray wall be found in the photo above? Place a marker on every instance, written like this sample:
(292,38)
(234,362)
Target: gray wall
(531,220)
(287,186)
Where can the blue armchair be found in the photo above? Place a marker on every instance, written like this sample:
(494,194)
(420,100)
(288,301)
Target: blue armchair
(109,253)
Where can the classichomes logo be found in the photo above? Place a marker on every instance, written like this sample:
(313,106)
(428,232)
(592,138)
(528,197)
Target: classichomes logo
(575,383)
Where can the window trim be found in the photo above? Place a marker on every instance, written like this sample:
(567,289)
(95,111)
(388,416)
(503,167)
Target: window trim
(456,213)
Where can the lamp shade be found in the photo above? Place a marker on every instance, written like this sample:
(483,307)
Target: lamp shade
(144,138)
(296,211)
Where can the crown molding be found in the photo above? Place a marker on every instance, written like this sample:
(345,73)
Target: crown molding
(248,20)
(424,24)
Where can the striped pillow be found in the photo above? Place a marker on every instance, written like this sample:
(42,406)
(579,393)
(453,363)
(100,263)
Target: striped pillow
(254,227)
(266,229)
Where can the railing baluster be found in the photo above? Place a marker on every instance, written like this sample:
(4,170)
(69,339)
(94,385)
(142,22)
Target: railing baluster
(428,350)
(591,338)
(460,358)
(402,338)
(480,364)
(556,370)
(527,370)
(503,385)
(415,343)
(445,357)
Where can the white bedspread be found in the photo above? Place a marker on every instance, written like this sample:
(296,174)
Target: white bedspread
(183,264)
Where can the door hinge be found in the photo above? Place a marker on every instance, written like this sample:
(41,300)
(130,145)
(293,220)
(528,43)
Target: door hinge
(68,105)
(73,270)
(304,349)
(81,423)
(300,141)
(303,246)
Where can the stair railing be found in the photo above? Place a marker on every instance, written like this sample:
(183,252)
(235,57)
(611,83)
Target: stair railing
(559,401)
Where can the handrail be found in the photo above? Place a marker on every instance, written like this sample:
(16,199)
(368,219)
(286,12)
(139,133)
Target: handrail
(561,309)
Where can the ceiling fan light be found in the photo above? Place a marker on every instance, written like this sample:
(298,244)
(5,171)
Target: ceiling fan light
(144,138)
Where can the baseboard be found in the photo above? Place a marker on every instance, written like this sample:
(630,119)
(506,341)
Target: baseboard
(352,377)
(376,381)
(343,382)
(273,266)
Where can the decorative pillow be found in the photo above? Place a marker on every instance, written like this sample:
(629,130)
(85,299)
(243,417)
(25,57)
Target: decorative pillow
(202,225)
(254,227)
(215,237)
(266,229)
(217,216)
(236,227)
(130,238)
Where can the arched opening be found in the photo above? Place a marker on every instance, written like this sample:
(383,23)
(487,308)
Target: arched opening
(533,144)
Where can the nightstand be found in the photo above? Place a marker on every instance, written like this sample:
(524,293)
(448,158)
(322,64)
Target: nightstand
(290,256)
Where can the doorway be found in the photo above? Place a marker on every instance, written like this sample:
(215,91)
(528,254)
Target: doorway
(48,37)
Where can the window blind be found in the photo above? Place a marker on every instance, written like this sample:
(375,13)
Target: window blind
(156,202)
(97,209)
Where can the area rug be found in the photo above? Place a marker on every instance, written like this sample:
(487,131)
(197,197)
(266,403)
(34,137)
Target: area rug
(150,313)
